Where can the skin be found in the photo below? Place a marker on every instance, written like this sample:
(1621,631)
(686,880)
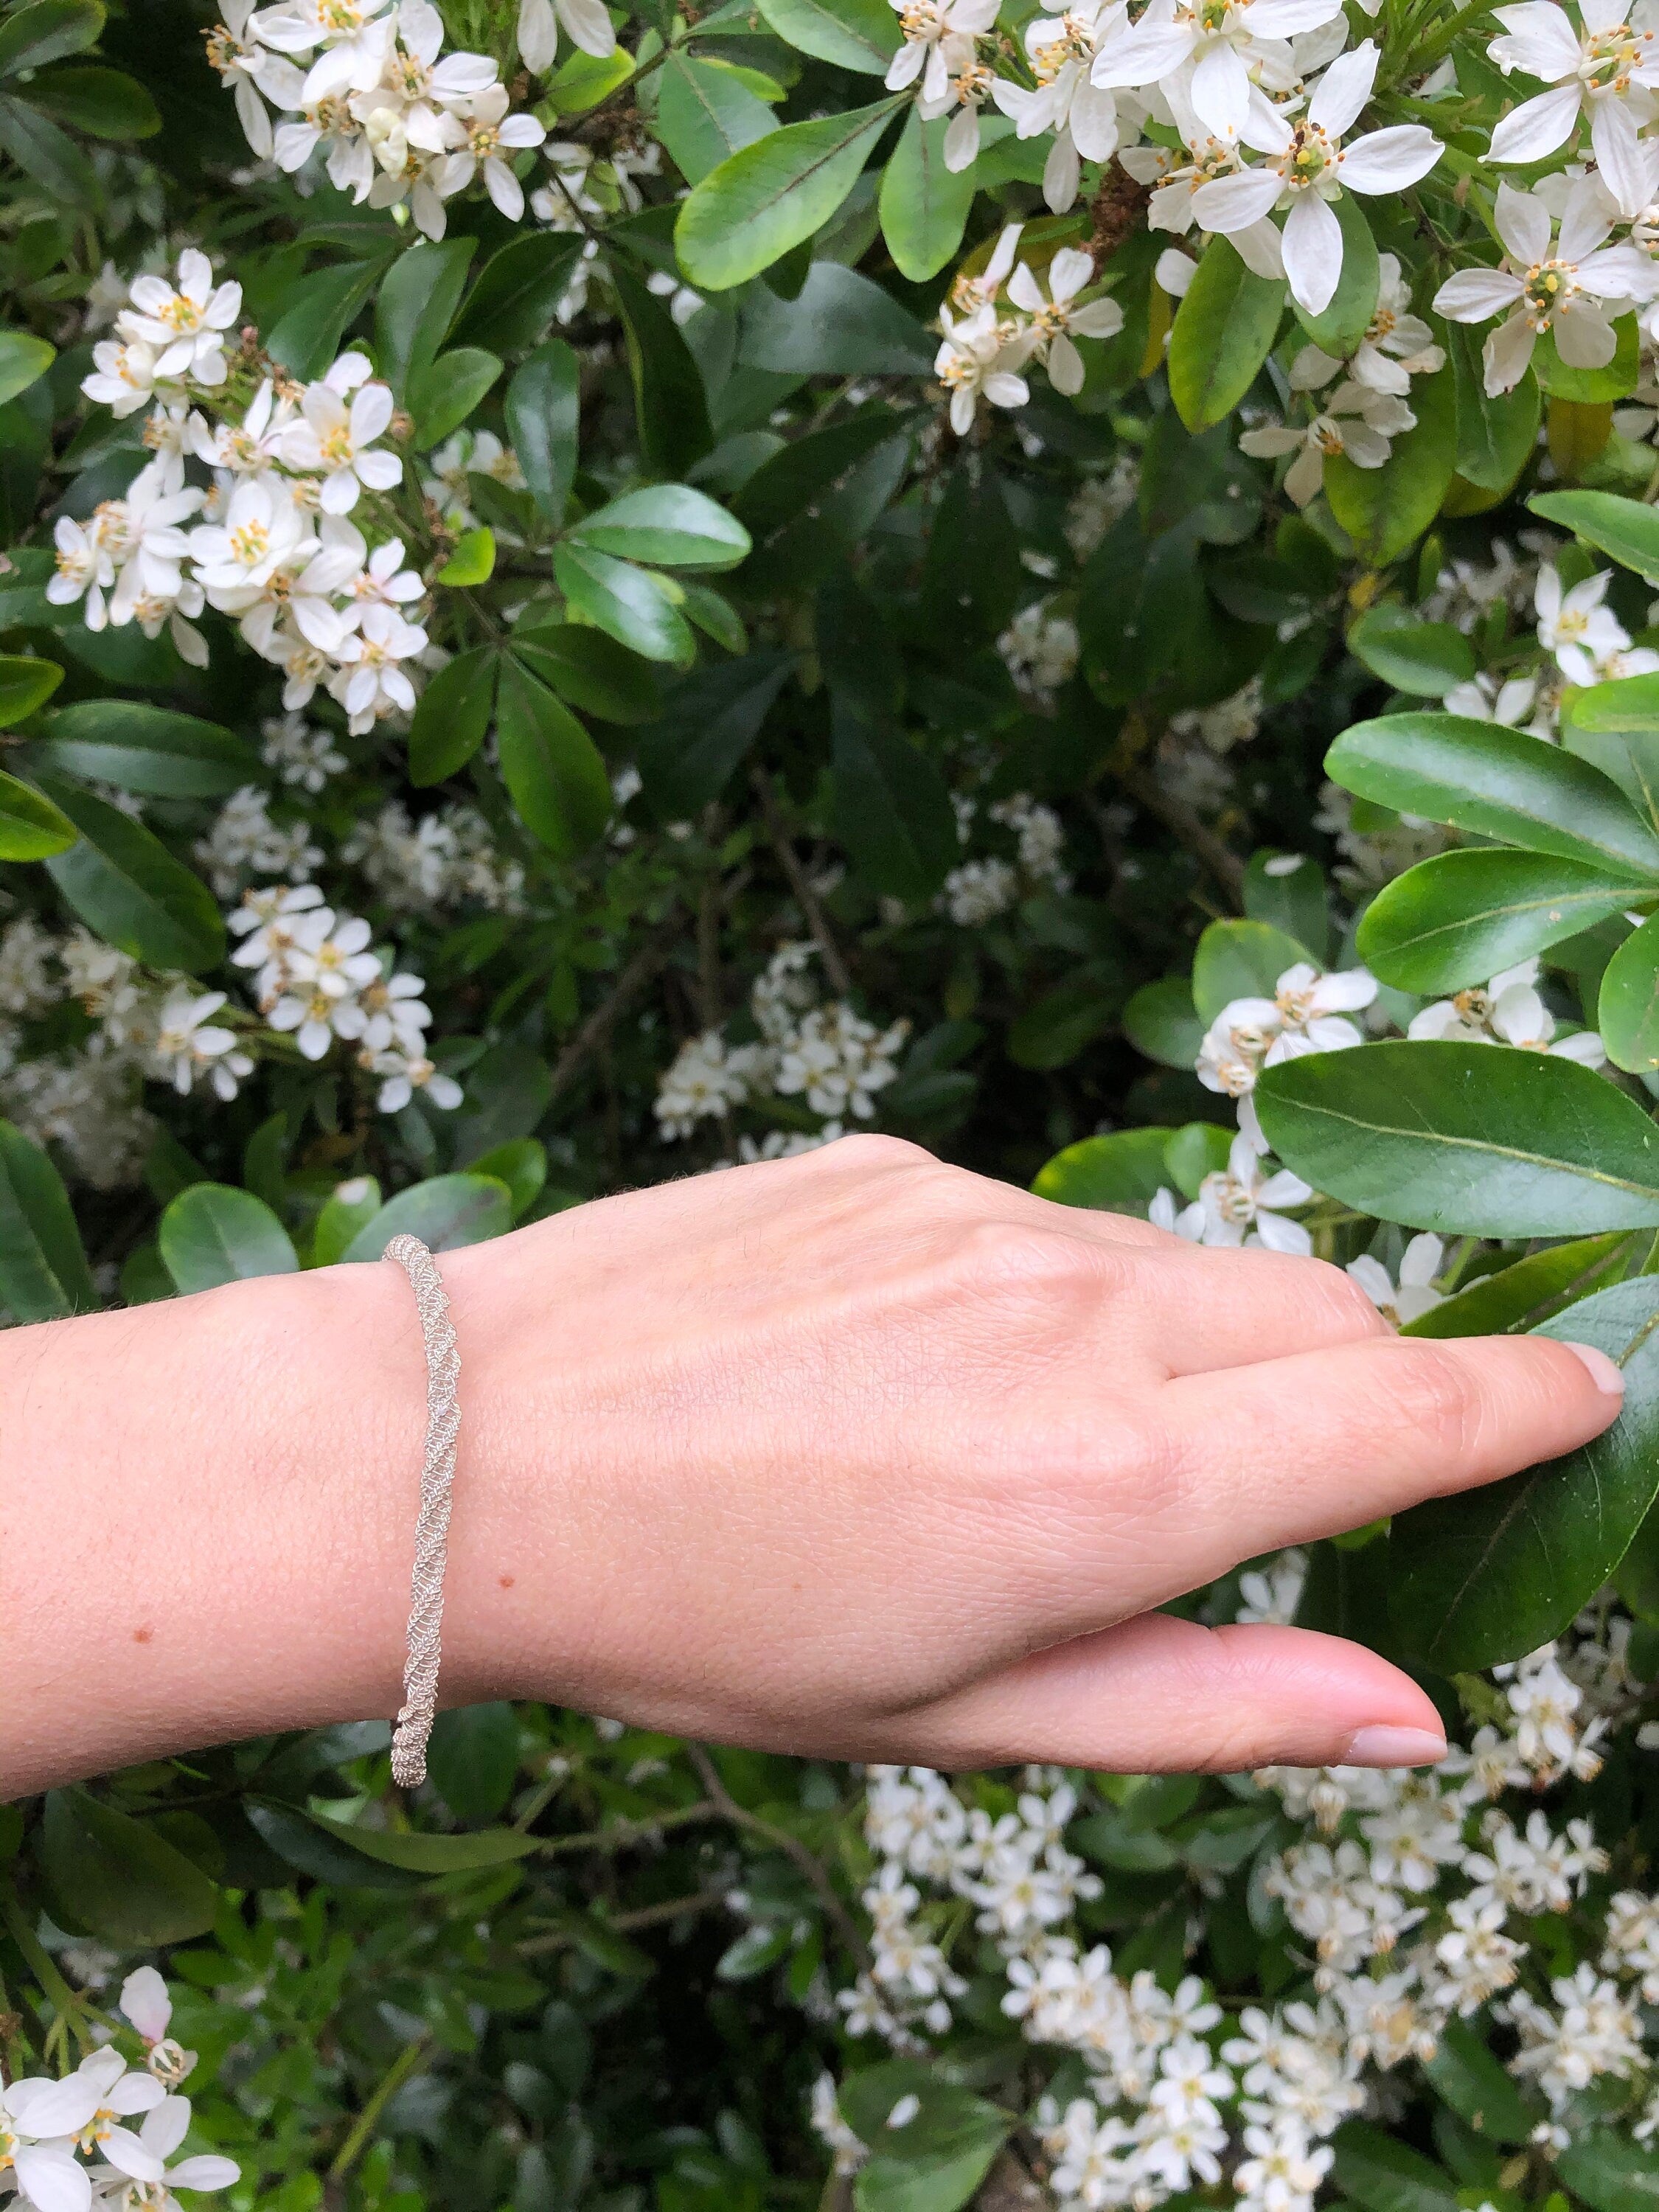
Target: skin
(856,1455)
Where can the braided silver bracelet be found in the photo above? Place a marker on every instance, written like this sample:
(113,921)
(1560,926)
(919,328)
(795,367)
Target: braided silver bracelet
(443,1422)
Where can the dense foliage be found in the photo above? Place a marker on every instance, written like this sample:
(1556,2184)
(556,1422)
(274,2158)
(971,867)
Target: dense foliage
(592,594)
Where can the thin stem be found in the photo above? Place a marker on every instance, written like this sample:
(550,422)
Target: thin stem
(41,1963)
(391,2082)
(626,1833)
(807,1862)
(625,1924)
(805,897)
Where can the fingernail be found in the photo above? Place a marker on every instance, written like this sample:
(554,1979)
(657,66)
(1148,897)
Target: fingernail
(1394,1747)
(1603,1371)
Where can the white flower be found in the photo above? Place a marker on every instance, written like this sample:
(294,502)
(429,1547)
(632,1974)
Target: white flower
(927,25)
(263,531)
(300,754)
(84,569)
(123,376)
(1506,1011)
(1243,1198)
(187,1043)
(185,325)
(1054,321)
(1514,702)
(145,2001)
(404,1074)
(1610,63)
(338,441)
(1576,626)
(1308,165)
(353,34)
(1209,50)
(1082,116)
(165,2127)
(979,356)
(371,682)
(250,68)
(1186,1222)
(1356,420)
(154,547)
(491,132)
(1564,290)
(1415,1294)
(586,24)
(1308,1013)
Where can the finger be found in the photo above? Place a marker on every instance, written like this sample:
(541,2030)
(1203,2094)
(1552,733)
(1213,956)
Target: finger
(1197,1309)
(1158,1695)
(1303,1447)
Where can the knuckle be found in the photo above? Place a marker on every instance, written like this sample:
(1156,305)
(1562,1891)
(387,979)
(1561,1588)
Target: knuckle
(1025,1260)
(1342,1301)
(1433,1393)
(874,1153)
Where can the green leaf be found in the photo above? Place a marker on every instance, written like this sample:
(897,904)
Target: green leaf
(861,35)
(445,1213)
(44,1273)
(214,1233)
(1615,726)
(1525,1294)
(50,156)
(47,30)
(148,750)
(26,684)
(452,716)
(118,1878)
(671,400)
(839,323)
(923,205)
(1498,782)
(472,1759)
(892,807)
(103,103)
(710,719)
(1414,656)
(31,826)
(543,423)
(1626,528)
(628,602)
(513,304)
(23,360)
(303,1842)
(350,1207)
(1477,2086)
(414,1851)
(1386,2175)
(748,213)
(583,80)
(444,392)
(936,2159)
(1461,917)
(1591,387)
(1610,2171)
(518,1162)
(1475,1140)
(1240,960)
(416,305)
(551,766)
(1339,328)
(1223,330)
(591,670)
(1386,510)
(1288,890)
(1057,1026)
(1627,1013)
(1496,434)
(1493,1573)
(706,113)
(306,339)
(1119,1173)
(1161,1021)
(473,560)
(129,890)
(668,525)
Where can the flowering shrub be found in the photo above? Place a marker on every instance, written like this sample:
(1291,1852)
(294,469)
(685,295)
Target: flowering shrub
(588,593)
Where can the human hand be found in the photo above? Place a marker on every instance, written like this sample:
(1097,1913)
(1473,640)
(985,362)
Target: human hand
(861,1455)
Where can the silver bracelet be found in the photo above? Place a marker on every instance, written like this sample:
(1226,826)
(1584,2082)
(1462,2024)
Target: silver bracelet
(443,1422)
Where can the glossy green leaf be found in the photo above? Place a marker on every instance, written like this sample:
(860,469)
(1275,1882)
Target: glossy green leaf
(145,749)
(1627,1011)
(44,1273)
(119,1878)
(129,890)
(671,400)
(306,338)
(473,560)
(1384,2175)
(1288,890)
(521,1164)
(670,525)
(1240,960)
(862,35)
(936,2159)
(1496,434)
(47,30)
(517,294)
(1493,1573)
(632,606)
(591,672)
(1498,783)
(444,394)
(1062,1021)
(26,684)
(452,715)
(1414,656)
(748,213)
(1591,387)
(1609,2171)
(892,807)
(472,1759)
(706,113)
(1474,1139)
(445,1213)
(1615,726)
(1529,1292)
(1459,918)
(1223,332)
(710,719)
(551,766)
(215,1233)
(23,360)
(103,103)
(1628,529)
(424,1852)
(31,826)
(839,323)
(1161,1021)
(1385,511)
(1122,1172)
(349,1209)
(415,307)
(49,155)
(544,422)
(304,1844)
(923,205)
(1475,2082)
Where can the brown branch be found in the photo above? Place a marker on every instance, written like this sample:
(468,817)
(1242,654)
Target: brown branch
(805,1861)
(625,1833)
(1200,841)
(805,897)
(626,1923)
(651,956)
(1114,211)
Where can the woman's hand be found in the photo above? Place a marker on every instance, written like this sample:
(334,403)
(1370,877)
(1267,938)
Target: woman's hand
(854,1454)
